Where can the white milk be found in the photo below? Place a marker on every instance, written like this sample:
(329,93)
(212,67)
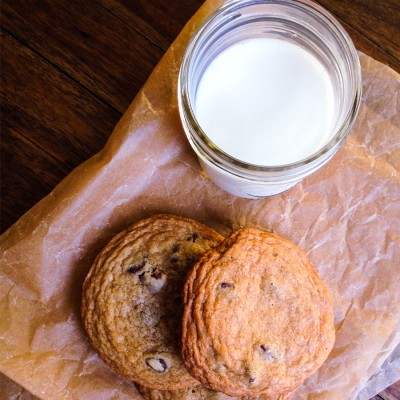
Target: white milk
(266,102)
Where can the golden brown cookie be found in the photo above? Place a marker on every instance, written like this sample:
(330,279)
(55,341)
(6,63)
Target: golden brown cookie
(193,393)
(132,298)
(197,393)
(257,319)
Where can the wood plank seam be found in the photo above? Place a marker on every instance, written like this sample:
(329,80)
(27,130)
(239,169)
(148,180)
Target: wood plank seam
(62,71)
(16,130)
(131,27)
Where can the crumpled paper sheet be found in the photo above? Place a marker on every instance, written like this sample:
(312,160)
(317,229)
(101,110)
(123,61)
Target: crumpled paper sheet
(387,375)
(346,217)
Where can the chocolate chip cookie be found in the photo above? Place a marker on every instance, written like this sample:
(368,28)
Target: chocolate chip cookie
(257,319)
(197,393)
(132,298)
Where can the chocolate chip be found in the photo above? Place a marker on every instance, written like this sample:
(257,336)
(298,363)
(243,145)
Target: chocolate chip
(267,352)
(157,363)
(175,248)
(226,285)
(153,278)
(174,260)
(134,269)
(193,237)
(157,274)
(163,363)
(251,380)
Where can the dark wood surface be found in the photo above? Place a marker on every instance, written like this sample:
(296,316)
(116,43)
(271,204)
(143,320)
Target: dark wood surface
(69,69)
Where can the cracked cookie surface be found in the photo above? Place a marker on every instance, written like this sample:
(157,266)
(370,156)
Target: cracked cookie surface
(132,298)
(257,319)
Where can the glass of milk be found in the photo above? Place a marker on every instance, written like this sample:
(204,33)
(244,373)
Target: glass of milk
(268,91)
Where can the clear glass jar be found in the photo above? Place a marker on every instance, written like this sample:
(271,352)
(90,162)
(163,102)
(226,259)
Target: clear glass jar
(300,22)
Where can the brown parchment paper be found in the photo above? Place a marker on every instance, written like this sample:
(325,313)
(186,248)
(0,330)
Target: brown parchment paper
(346,217)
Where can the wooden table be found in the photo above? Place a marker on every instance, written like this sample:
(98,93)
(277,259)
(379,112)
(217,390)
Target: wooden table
(71,68)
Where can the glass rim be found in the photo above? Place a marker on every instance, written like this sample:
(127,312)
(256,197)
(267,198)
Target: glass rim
(210,148)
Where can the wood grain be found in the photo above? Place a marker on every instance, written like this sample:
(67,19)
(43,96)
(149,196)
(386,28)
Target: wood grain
(391,393)
(50,125)
(70,69)
(87,42)
(372,25)
(159,21)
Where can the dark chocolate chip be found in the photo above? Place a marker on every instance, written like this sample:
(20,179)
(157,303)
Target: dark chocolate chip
(134,269)
(174,260)
(157,274)
(163,363)
(193,237)
(226,285)
(264,348)
(267,352)
(251,380)
(158,364)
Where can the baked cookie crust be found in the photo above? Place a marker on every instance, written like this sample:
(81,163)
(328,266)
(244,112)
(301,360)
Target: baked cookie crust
(132,298)
(257,319)
(197,393)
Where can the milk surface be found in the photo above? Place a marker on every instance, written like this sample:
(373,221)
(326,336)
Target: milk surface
(266,101)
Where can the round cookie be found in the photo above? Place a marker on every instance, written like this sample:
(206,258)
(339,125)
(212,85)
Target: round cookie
(257,319)
(132,298)
(197,393)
